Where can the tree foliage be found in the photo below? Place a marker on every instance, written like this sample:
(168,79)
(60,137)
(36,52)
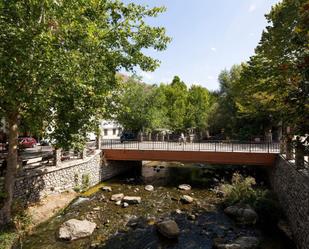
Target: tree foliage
(276,79)
(58,61)
(142,107)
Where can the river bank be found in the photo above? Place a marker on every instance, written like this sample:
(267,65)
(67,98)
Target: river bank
(201,223)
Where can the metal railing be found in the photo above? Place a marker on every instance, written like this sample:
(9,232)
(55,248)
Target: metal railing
(214,146)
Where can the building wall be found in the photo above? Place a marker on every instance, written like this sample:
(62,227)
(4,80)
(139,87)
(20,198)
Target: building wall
(110,129)
(292,189)
(31,186)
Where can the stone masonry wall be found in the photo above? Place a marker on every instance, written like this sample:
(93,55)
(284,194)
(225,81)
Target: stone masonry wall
(34,184)
(292,189)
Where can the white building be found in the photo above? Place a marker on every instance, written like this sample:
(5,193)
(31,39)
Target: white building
(110,129)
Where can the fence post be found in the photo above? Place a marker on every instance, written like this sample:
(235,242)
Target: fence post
(57,157)
(232,146)
(250,147)
(138,144)
(215,146)
(268,147)
(98,142)
(84,153)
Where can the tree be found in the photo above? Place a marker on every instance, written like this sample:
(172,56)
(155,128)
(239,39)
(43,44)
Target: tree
(224,110)
(277,77)
(198,108)
(58,61)
(176,101)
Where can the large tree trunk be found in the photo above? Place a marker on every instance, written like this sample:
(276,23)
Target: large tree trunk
(12,163)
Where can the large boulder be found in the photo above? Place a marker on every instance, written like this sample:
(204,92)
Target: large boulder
(168,229)
(117,197)
(240,243)
(242,214)
(185,187)
(132,199)
(187,199)
(75,229)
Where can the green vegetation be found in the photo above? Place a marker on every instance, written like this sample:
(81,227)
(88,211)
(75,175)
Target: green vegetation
(142,107)
(58,61)
(268,92)
(7,238)
(21,224)
(85,181)
(242,190)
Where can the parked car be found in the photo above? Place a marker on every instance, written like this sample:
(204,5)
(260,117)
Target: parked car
(128,136)
(27,142)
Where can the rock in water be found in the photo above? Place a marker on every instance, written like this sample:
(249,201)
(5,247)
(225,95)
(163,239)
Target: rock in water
(247,242)
(239,243)
(117,197)
(185,187)
(149,188)
(132,199)
(168,228)
(74,229)
(187,199)
(107,189)
(242,214)
(80,200)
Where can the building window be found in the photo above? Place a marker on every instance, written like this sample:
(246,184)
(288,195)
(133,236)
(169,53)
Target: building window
(105,132)
(114,131)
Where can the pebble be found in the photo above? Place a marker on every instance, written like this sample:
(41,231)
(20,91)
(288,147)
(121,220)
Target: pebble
(178,211)
(149,188)
(107,189)
(185,187)
(125,204)
(187,199)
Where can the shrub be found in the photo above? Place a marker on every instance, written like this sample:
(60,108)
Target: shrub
(242,190)
(85,181)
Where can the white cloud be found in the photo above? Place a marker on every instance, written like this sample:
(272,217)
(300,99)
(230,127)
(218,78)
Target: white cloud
(252,8)
(210,77)
(214,49)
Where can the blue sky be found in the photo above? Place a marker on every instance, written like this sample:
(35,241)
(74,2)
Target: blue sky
(208,36)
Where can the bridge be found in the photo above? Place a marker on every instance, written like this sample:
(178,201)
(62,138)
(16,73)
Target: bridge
(211,152)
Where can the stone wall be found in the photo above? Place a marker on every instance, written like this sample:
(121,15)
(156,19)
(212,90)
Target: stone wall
(32,185)
(292,189)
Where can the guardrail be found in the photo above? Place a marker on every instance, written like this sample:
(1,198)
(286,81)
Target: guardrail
(214,146)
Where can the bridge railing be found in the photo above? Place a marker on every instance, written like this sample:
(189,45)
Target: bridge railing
(214,146)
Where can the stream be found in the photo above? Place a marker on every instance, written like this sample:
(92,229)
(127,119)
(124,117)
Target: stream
(134,227)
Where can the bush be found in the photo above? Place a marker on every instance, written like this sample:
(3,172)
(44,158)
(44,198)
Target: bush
(242,190)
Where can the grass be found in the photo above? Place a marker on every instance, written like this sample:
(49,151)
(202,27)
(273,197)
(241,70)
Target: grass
(7,238)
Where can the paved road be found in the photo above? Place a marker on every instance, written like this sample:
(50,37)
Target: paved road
(205,146)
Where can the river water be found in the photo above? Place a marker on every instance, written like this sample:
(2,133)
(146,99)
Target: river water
(134,227)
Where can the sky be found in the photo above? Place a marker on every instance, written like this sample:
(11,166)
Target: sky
(207,37)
